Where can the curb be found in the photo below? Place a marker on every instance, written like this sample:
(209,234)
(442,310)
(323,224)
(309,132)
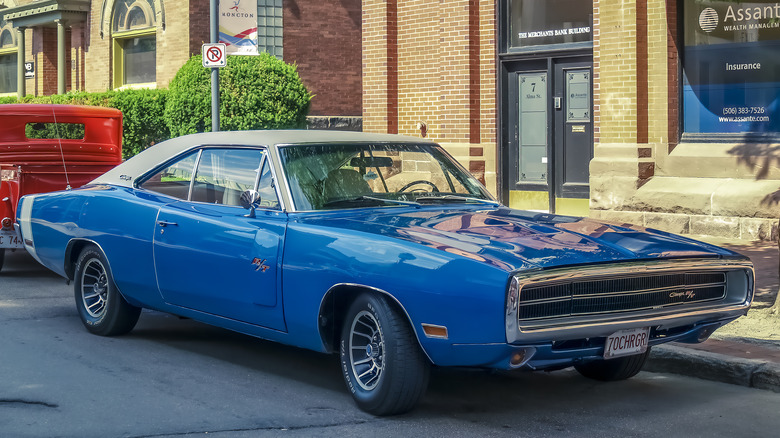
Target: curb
(713,366)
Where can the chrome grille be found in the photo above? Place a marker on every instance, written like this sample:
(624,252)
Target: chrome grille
(588,296)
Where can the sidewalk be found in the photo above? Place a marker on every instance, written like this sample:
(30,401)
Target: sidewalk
(739,360)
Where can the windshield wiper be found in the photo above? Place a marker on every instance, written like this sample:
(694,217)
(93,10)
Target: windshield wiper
(370,200)
(456,198)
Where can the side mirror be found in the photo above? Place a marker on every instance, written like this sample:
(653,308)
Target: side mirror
(250,199)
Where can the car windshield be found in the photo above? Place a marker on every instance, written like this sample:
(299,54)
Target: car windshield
(336,176)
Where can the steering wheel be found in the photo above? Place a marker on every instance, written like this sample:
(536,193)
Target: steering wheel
(419,181)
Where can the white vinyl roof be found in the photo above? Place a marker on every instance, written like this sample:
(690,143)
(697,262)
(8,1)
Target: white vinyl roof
(126,173)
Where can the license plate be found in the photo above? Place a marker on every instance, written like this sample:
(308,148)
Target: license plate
(626,342)
(9,239)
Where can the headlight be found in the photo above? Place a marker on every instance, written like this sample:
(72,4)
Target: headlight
(512,298)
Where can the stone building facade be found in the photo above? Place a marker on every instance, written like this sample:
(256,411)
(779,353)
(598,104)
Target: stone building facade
(588,108)
(657,162)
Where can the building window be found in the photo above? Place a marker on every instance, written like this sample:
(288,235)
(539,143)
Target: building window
(134,33)
(730,68)
(269,27)
(544,22)
(8,61)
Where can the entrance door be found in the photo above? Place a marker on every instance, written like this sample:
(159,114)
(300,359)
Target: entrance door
(550,151)
(573,119)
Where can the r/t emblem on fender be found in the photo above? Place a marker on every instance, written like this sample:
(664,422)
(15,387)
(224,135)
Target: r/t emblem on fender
(260,263)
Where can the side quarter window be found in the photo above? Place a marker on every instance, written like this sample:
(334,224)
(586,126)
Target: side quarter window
(223,174)
(173,180)
(266,188)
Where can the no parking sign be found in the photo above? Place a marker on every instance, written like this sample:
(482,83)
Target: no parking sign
(214,55)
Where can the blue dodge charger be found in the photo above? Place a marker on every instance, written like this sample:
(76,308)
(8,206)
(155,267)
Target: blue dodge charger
(379,248)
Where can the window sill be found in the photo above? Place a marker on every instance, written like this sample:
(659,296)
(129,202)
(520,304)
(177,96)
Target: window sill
(142,86)
(741,137)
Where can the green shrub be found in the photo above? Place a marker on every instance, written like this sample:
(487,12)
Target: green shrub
(143,118)
(256,92)
(142,114)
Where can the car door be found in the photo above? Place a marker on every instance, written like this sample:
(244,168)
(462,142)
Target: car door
(209,255)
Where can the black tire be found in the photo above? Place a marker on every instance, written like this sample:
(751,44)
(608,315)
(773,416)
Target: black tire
(2,258)
(101,307)
(382,363)
(620,368)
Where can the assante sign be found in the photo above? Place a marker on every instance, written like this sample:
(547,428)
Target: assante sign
(755,13)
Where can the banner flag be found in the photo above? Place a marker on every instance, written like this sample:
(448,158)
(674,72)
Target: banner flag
(238,26)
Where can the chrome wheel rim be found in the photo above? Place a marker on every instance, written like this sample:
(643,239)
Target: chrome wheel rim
(366,350)
(94,288)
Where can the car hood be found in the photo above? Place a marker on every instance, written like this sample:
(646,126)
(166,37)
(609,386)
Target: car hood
(514,239)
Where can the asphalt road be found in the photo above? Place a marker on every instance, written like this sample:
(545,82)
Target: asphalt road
(172,377)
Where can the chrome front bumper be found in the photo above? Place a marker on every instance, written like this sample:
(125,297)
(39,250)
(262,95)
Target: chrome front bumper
(736,303)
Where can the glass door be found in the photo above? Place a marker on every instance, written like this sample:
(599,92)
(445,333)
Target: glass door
(551,134)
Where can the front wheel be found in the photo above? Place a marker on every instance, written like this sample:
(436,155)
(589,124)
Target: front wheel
(620,368)
(383,365)
(102,308)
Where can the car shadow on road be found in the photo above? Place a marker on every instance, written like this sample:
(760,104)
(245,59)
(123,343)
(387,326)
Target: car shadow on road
(246,351)
(452,391)
(21,264)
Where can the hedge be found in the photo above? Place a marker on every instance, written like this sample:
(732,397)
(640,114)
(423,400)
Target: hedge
(142,112)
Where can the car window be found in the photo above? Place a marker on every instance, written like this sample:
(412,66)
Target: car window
(333,176)
(266,188)
(173,180)
(223,174)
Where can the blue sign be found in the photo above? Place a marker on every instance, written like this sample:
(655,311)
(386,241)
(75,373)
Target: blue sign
(731,67)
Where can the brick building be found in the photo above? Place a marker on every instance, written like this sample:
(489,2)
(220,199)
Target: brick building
(429,66)
(94,45)
(587,108)
(655,112)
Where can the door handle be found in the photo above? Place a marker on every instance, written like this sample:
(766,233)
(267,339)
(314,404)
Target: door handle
(164,224)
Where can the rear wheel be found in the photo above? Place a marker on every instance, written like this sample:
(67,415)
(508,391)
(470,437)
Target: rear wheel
(2,258)
(620,368)
(102,308)
(383,365)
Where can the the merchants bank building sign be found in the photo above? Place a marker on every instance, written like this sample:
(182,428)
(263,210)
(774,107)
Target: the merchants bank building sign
(549,22)
(238,26)
(730,65)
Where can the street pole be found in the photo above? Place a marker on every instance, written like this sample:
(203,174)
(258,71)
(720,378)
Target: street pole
(214,70)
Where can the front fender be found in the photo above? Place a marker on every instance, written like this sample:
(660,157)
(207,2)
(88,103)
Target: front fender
(431,286)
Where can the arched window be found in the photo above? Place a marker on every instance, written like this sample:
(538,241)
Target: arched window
(134,31)
(8,59)
(6,39)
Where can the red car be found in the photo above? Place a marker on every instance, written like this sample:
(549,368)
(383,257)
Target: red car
(45,147)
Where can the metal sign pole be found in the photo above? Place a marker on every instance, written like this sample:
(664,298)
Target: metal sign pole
(214,70)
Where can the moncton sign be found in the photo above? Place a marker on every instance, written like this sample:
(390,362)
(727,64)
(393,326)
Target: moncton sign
(730,65)
(238,26)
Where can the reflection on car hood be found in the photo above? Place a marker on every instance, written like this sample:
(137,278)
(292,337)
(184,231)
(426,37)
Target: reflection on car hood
(514,239)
